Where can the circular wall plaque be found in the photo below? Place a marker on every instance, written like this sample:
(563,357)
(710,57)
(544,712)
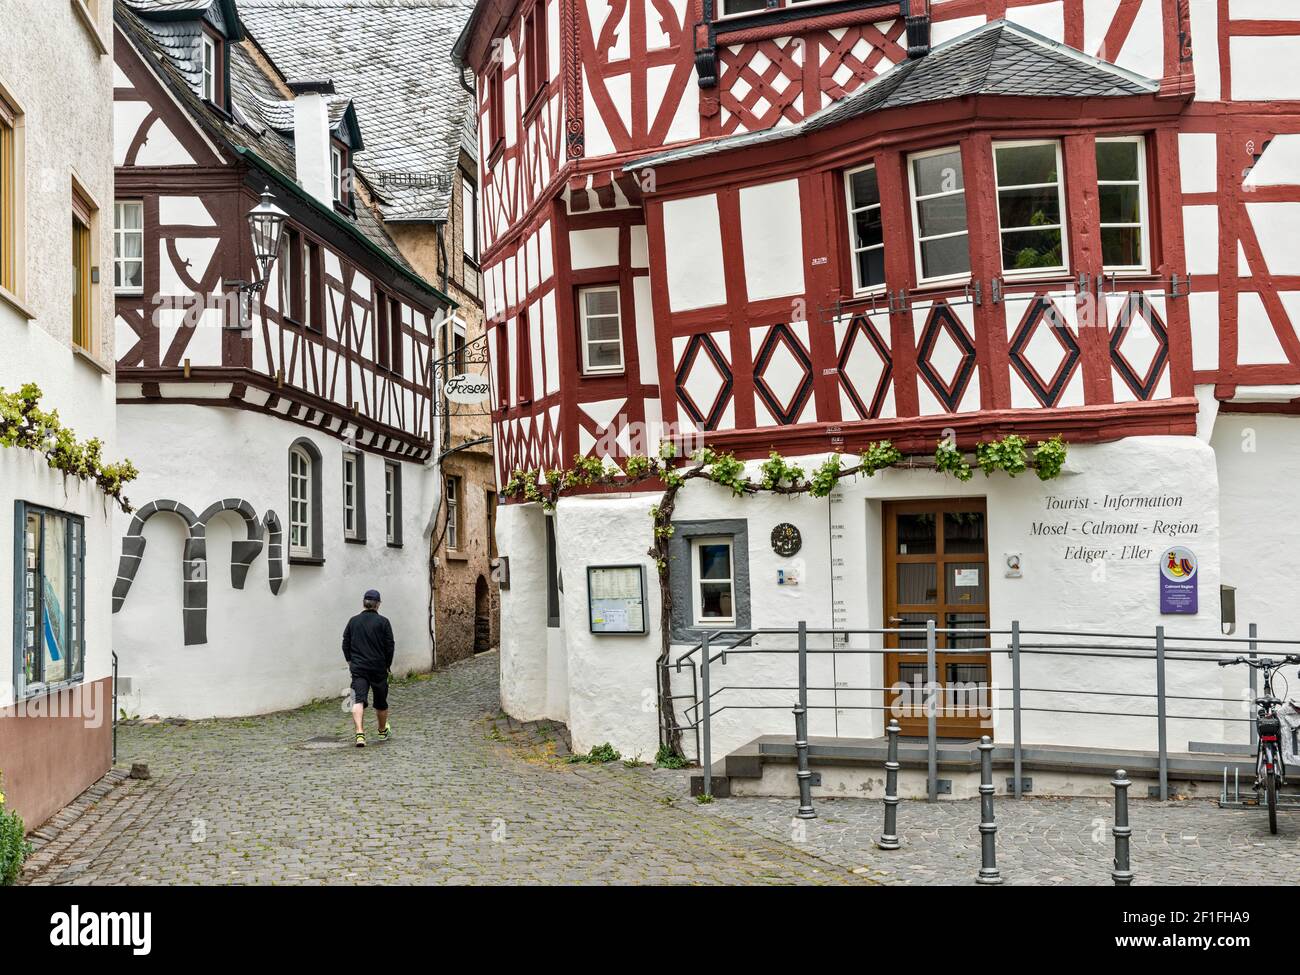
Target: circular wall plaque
(786,539)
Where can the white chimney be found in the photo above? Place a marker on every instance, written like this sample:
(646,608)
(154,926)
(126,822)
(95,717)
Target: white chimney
(311,137)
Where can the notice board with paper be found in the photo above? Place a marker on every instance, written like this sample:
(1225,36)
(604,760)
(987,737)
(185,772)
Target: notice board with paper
(616,599)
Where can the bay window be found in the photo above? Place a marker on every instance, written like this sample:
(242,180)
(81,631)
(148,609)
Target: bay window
(1122,197)
(48,597)
(938,192)
(602,331)
(866,235)
(1031,206)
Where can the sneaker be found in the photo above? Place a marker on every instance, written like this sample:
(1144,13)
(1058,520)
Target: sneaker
(387,733)
(361,739)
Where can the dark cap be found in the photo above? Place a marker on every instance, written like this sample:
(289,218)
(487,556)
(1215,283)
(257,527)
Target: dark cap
(372,596)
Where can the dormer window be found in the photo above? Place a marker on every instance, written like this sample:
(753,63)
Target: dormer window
(210,67)
(336,173)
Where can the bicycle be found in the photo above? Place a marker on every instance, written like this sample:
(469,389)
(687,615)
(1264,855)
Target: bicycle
(1270,768)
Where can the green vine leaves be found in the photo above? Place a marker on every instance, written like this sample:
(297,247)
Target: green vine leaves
(1011,455)
(24,424)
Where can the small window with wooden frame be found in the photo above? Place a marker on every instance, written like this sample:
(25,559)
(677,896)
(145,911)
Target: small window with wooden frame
(523,358)
(535,59)
(496,109)
(313,292)
(11,195)
(84,215)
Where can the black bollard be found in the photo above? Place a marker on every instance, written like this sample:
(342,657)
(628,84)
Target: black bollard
(989,873)
(889,838)
(1123,872)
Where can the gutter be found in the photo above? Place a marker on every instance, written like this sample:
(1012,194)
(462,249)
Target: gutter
(305,197)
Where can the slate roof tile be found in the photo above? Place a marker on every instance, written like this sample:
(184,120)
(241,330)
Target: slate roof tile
(998,58)
(393,59)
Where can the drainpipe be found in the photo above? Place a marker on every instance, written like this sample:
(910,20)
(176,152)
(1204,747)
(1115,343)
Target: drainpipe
(917,15)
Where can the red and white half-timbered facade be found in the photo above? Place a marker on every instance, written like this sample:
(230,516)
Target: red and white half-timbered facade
(287,434)
(807,226)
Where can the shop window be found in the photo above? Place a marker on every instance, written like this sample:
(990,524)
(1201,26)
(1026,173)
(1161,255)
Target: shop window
(48,598)
(938,192)
(1122,195)
(1031,206)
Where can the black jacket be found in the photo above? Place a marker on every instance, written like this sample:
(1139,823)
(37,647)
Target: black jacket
(368,643)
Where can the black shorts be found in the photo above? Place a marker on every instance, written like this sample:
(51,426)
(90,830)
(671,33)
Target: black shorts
(362,684)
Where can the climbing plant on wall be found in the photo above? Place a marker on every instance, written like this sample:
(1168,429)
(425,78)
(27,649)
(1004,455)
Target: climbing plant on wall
(1010,454)
(24,424)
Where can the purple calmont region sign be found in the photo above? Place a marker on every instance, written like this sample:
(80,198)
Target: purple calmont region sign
(1178,581)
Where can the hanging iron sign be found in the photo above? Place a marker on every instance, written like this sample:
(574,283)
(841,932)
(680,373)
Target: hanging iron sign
(467,389)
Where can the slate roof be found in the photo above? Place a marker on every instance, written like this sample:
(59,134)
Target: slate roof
(997,58)
(393,59)
(252,130)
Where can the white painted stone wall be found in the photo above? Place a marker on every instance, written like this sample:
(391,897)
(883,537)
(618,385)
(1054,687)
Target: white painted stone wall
(65,133)
(610,683)
(265,652)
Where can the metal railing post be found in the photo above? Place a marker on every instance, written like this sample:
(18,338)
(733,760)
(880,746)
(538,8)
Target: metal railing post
(931,715)
(1161,722)
(989,873)
(115,707)
(1017,754)
(889,838)
(1254,685)
(804,774)
(707,702)
(1122,873)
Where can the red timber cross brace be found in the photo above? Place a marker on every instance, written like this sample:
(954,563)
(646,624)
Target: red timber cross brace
(990,320)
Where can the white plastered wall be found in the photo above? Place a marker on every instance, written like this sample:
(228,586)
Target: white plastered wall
(265,652)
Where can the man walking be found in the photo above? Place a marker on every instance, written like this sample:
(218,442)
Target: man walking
(368,649)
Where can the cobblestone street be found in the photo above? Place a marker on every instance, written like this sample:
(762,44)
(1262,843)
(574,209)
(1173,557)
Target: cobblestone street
(454,800)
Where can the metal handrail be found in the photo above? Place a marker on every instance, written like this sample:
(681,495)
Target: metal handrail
(1149,647)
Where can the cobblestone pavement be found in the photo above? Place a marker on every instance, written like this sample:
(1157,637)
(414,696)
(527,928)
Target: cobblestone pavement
(1039,841)
(455,797)
(464,795)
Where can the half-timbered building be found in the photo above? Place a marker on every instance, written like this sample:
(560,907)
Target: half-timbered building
(422,158)
(284,434)
(807,226)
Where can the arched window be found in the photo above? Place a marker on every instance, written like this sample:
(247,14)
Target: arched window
(304,502)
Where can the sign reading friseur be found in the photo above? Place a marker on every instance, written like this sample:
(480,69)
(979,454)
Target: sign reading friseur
(466,389)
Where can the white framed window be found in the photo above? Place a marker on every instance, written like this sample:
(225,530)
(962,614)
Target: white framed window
(602,332)
(453,514)
(1122,197)
(866,235)
(713,582)
(351,500)
(209,79)
(938,191)
(300,501)
(336,173)
(1031,206)
(390,503)
(469,216)
(128,246)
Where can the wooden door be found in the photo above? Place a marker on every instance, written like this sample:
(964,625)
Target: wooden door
(936,568)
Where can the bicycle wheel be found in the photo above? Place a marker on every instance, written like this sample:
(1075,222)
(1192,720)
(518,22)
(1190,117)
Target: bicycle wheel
(1270,791)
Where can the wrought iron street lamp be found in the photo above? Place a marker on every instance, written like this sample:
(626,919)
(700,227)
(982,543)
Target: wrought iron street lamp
(266,224)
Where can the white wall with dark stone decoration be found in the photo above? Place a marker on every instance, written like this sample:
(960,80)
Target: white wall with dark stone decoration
(610,680)
(265,652)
